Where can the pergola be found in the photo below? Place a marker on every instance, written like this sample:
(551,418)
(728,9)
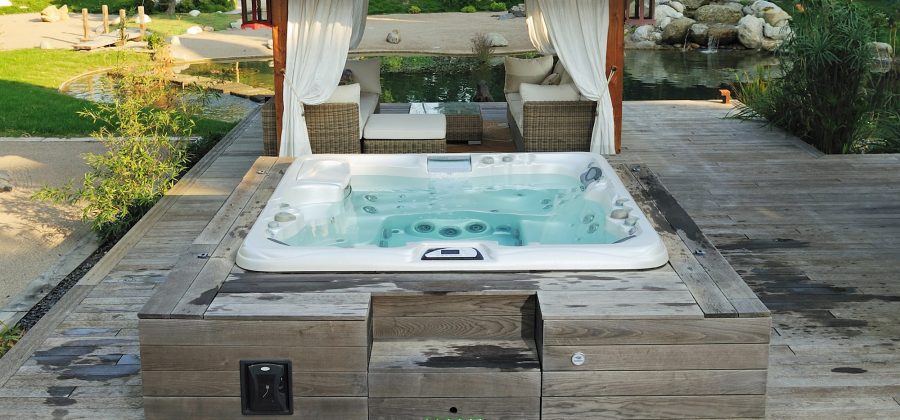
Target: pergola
(274,13)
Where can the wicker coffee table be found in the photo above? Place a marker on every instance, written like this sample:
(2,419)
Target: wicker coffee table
(463,119)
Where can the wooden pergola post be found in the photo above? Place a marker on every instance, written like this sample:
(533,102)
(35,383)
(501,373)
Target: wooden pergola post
(615,57)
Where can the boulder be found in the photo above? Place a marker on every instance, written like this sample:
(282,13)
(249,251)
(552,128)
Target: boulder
(518,10)
(676,5)
(209,29)
(496,40)
(725,34)
(758,6)
(174,41)
(116,21)
(194,13)
(699,33)
(64,12)
(776,17)
(664,11)
(646,33)
(50,14)
(147,19)
(694,4)
(393,37)
(779,33)
(750,31)
(236,24)
(716,13)
(662,23)
(193,30)
(881,50)
(676,31)
(5,3)
(771,44)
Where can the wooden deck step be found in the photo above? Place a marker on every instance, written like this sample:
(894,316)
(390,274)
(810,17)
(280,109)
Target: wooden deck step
(454,378)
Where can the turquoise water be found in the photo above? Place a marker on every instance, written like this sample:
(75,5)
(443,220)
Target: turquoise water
(389,211)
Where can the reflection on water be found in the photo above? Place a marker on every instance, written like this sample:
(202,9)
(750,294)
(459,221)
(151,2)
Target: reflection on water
(648,75)
(97,88)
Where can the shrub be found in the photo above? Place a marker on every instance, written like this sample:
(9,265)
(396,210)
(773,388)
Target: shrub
(205,6)
(468,9)
(155,41)
(146,131)
(9,336)
(414,10)
(829,94)
(482,49)
(498,7)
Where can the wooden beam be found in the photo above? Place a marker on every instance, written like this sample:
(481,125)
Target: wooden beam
(615,56)
(279,39)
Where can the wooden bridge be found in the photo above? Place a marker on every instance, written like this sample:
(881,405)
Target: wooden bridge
(815,236)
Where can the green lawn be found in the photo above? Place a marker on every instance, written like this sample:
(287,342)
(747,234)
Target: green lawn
(31,105)
(166,25)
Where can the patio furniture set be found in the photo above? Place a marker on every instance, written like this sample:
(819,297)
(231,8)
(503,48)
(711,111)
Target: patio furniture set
(545,113)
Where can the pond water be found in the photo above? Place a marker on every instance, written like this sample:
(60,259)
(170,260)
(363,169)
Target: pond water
(648,75)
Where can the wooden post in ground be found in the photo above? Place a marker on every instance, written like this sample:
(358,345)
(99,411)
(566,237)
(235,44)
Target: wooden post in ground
(143,25)
(105,9)
(84,21)
(123,21)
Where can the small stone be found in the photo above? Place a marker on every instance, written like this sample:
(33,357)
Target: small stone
(236,24)
(194,13)
(496,40)
(393,37)
(269,44)
(137,19)
(46,45)
(193,30)
(116,21)
(174,41)
(209,29)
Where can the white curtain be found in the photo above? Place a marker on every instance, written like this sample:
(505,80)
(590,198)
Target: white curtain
(579,29)
(537,28)
(360,12)
(319,34)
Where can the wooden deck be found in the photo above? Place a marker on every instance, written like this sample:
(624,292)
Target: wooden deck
(816,237)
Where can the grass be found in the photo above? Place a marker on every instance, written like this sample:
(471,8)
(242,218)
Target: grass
(167,25)
(93,6)
(31,105)
(9,337)
(378,7)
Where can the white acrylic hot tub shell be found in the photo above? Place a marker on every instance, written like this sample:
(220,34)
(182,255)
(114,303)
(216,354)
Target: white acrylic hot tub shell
(321,175)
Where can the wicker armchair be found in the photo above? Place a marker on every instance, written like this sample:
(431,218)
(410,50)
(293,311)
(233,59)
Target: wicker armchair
(332,127)
(554,126)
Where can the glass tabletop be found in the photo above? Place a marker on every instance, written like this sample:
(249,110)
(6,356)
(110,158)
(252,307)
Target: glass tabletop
(446,108)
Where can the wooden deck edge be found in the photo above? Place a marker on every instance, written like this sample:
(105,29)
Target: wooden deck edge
(741,297)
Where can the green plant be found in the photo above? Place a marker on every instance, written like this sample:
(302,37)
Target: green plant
(9,336)
(482,49)
(414,10)
(497,7)
(155,41)
(146,131)
(468,9)
(829,94)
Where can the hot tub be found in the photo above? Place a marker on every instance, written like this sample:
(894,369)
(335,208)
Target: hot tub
(451,212)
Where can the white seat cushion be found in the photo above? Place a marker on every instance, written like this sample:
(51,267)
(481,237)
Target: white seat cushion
(516,108)
(368,102)
(406,126)
(367,73)
(522,70)
(536,93)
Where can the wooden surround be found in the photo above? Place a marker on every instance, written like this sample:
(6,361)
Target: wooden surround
(688,339)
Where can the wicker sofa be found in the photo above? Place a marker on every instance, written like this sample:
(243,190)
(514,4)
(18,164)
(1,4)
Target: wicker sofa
(554,117)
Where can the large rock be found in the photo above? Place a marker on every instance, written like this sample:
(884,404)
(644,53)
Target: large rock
(699,33)
(137,19)
(724,34)
(750,31)
(881,50)
(50,14)
(393,37)
(776,17)
(758,6)
(716,13)
(676,5)
(236,24)
(779,33)
(193,30)
(194,13)
(694,4)
(662,23)
(664,11)
(770,44)
(646,33)
(676,31)
(5,3)
(496,40)
(64,12)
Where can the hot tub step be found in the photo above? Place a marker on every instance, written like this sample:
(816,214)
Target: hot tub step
(488,317)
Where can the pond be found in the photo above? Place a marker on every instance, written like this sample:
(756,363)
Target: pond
(648,75)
